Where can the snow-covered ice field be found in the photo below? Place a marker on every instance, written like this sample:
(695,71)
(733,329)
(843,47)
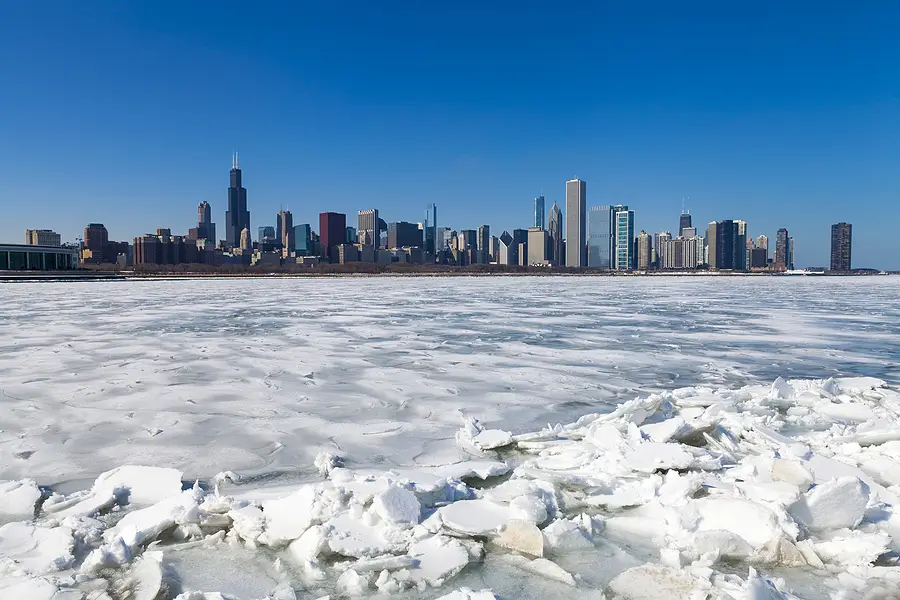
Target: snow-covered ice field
(719,466)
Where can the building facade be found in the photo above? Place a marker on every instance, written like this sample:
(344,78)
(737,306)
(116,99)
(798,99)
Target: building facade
(402,235)
(42,237)
(841,246)
(95,237)
(539,212)
(508,250)
(303,240)
(782,250)
(538,243)
(625,259)
(285,230)
(484,237)
(555,230)
(368,227)
(332,232)
(601,237)
(644,251)
(33,257)
(684,222)
(432,243)
(237,216)
(576,209)
(727,245)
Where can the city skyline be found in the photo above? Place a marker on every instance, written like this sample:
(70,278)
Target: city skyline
(739,115)
(606,234)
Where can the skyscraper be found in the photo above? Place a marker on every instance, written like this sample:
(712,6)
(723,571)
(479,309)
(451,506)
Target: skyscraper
(96,237)
(332,231)
(302,240)
(368,227)
(841,244)
(539,212)
(402,234)
(508,250)
(644,250)
(484,236)
(285,230)
(432,243)
(624,239)
(237,217)
(684,222)
(576,207)
(266,234)
(726,245)
(246,241)
(741,248)
(555,229)
(762,241)
(782,249)
(538,240)
(601,238)
(206,229)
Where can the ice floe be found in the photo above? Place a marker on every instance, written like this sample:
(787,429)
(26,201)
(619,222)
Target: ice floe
(662,497)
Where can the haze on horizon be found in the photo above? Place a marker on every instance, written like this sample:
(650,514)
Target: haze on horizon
(782,116)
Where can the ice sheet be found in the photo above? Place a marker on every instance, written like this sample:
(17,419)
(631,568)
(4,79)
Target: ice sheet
(260,375)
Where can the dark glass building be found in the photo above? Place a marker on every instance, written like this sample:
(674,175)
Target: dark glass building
(684,223)
(725,248)
(237,217)
(403,234)
(539,212)
(841,243)
(332,232)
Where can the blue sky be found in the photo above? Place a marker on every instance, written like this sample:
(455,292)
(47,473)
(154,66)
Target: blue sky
(127,113)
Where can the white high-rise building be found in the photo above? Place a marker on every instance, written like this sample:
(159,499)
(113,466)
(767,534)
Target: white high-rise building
(576,209)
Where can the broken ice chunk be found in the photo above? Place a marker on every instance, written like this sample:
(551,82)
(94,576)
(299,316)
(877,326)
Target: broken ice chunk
(36,550)
(397,505)
(652,582)
(565,535)
(287,518)
(145,485)
(521,536)
(652,456)
(474,436)
(354,537)
(439,557)
(838,504)
(18,499)
(475,517)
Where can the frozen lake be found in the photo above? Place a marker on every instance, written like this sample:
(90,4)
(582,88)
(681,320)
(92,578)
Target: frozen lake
(259,375)
(700,428)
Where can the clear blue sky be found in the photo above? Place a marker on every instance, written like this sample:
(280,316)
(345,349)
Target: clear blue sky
(781,114)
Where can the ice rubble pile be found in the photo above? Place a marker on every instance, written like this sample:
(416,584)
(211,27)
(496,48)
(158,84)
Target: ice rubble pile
(802,474)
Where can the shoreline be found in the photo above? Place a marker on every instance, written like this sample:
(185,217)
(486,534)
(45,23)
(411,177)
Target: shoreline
(126,276)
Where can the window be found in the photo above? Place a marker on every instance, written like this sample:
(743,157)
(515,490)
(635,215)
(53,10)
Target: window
(17,261)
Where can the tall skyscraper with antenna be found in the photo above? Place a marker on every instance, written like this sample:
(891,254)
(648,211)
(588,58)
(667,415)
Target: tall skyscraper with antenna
(237,217)
(685,221)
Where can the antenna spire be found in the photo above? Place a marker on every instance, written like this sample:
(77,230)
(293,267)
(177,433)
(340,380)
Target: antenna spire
(236,161)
